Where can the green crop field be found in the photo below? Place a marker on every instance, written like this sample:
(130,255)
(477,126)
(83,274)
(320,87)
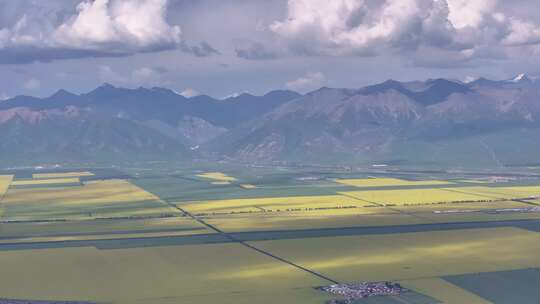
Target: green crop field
(188,274)
(94,199)
(412,255)
(505,287)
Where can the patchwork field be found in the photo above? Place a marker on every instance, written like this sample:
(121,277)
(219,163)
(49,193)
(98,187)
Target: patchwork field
(217,176)
(384,182)
(414,197)
(261,235)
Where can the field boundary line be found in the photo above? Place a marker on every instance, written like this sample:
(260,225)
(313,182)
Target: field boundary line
(390,208)
(477,194)
(519,200)
(4,195)
(254,248)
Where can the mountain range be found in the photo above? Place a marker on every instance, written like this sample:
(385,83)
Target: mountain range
(435,121)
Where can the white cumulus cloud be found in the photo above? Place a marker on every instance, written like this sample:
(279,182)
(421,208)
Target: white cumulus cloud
(361,27)
(129,23)
(140,76)
(32,84)
(97,28)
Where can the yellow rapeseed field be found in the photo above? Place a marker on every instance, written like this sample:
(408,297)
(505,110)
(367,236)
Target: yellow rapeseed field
(218,176)
(61,175)
(407,256)
(414,196)
(29,182)
(381,182)
(273,204)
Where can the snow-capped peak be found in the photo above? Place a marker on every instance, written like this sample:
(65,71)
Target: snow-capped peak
(520,77)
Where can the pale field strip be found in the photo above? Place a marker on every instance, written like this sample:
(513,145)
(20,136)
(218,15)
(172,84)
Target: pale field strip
(411,256)
(384,182)
(247,186)
(217,176)
(61,175)
(221,183)
(444,291)
(98,236)
(474,181)
(52,181)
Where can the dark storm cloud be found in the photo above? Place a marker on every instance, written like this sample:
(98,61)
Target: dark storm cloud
(27,55)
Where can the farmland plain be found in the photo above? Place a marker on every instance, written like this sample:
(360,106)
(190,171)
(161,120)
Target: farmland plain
(234,234)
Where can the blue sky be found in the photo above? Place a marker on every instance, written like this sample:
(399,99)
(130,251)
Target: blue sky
(223,47)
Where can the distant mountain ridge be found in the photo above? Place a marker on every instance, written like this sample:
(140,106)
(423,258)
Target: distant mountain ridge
(116,123)
(438,120)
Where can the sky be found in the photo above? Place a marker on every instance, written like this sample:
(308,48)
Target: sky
(226,47)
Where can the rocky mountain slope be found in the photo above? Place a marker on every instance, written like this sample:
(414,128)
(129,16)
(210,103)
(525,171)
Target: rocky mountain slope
(434,121)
